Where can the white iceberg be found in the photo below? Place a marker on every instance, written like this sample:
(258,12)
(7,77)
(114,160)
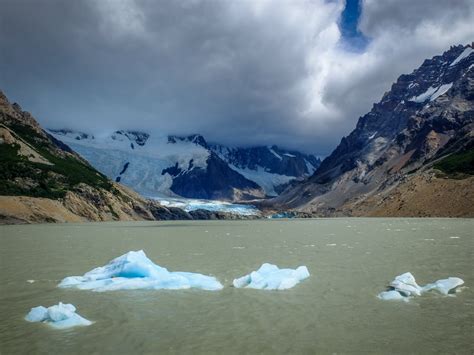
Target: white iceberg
(404,286)
(445,285)
(133,271)
(270,277)
(60,316)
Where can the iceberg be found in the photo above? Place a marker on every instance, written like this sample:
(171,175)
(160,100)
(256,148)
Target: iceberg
(445,285)
(133,271)
(270,277)
(404,286)
(392,295)
(60,316)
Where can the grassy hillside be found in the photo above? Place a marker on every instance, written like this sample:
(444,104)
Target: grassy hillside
(20,176)
(457,164)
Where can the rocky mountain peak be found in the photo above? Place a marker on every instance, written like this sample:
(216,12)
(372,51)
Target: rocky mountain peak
(193,138)
(13,113)
(411,93)
(426,116)
(137,137)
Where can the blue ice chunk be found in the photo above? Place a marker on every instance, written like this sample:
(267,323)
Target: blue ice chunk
(392,295)
(270,277)
(133,271)
(37,314)
(404,286)
(60,316)
(444,286)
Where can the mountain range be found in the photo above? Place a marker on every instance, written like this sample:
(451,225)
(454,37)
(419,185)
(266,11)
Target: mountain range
(44,180)
(188,166)
(411,155)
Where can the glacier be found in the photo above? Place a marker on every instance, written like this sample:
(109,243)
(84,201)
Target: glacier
(189,204)
(132,271)
(404,286)
(270,277)
(268,181)
(60,316)
(145,162)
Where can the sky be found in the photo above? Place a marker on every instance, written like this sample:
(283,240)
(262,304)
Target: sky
(295,73)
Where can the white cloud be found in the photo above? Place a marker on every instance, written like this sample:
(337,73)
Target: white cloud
(121,17)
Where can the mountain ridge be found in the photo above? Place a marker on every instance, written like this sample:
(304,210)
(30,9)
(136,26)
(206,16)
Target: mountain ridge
(44,180)
(189,166)
(426,115)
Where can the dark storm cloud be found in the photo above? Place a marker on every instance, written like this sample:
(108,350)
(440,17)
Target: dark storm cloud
(239,72)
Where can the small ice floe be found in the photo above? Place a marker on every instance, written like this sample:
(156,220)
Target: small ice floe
(60,316)
(444,286)
(392,295)
(133,271)
(404,286)
(270,277)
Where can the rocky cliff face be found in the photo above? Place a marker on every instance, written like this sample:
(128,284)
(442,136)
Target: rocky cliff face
(427,115)
(43,180)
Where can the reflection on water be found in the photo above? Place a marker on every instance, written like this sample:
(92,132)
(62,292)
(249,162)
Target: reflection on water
(334,311)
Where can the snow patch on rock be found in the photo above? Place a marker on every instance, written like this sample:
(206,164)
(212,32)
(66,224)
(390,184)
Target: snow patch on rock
(432,93)
(466,53)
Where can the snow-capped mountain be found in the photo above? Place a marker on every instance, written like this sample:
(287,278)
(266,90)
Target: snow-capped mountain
(163,166)
(427,116)
(270,167)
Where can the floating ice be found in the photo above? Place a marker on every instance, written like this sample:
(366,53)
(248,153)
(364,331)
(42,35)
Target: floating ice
(134,270)
(405,286)
(60,316)
(270,277)
(445,285)
(392,295)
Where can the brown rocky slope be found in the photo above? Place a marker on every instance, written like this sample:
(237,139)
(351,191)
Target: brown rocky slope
(411,155)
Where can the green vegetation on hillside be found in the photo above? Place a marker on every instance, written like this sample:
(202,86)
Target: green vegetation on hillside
(19,176)
(457,164)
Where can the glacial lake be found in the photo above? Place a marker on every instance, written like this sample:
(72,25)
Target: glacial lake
(334,311)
